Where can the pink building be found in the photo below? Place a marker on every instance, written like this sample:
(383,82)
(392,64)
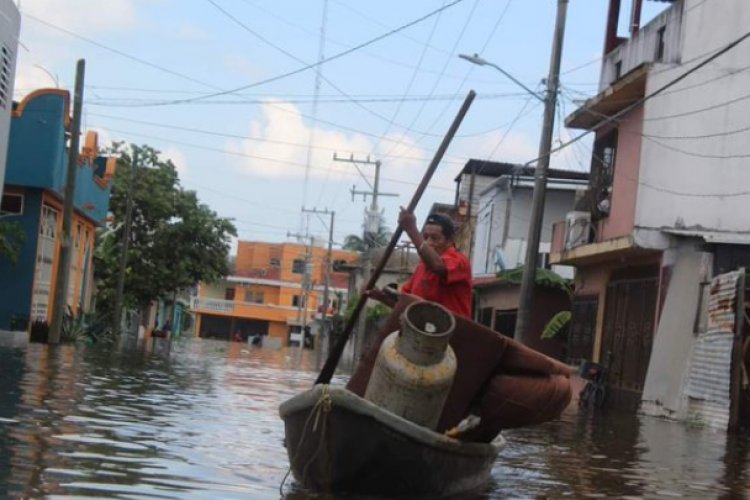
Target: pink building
(663,213)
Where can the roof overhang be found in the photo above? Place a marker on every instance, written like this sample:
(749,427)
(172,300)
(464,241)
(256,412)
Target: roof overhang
(621,94)
(592,253)
(717,237)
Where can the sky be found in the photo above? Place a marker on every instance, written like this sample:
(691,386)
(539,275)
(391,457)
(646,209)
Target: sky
(224,89)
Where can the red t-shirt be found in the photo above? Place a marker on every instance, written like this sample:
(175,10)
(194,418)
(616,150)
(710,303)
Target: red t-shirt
(453,291)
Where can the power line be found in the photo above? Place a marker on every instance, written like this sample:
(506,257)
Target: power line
(236,136)
(313,65)
(255,157)
(645,98)
(116,51)
(661,189)
(437,80)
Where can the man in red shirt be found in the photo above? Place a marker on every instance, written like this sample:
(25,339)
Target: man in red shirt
(443,274)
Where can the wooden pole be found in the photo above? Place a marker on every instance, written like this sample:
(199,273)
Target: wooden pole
(735,374)
(60,298)
(333,359)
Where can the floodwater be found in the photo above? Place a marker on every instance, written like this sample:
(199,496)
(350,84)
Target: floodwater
(199,420)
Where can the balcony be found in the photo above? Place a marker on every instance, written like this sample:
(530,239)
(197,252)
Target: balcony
(212,305)
(658,41)
(263,312)
(625,68)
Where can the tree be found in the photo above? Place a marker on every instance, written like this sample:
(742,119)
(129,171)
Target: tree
(175,241)
(356,243)
(11,240)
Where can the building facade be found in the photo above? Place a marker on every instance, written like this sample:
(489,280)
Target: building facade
(10,27)
(504,212)
(275,290)
(664,212)
(33,198)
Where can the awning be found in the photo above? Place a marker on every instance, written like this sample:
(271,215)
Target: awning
(621,94)
(718,237)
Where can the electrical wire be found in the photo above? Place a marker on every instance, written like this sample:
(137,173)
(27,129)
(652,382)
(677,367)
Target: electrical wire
(313,65)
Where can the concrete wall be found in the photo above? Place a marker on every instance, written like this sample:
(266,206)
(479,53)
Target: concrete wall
(671,173)
(625,182)
(642,47)
(10,26)
(495,221)
(675,335)
(547,303)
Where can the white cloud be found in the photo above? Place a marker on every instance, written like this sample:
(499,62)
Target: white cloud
(84,16)
(275,156)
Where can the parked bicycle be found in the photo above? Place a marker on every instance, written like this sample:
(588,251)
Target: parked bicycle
(594,393)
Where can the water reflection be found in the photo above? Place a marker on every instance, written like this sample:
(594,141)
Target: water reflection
(199,420)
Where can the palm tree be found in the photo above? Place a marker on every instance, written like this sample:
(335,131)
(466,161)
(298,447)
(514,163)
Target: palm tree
(356,243)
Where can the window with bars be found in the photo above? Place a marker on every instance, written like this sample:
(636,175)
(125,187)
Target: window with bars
(6,63)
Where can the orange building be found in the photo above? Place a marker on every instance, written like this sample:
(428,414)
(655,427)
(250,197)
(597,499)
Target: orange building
(266,293)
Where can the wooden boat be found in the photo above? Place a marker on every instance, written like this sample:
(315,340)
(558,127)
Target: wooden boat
(339,442)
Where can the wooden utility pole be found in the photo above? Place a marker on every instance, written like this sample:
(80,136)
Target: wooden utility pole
(327,277)
(738,358)
(120,291)
(540,182)
(63,262)
(372,226)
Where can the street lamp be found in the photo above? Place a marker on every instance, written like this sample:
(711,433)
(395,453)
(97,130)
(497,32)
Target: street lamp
(479,61)
(528,280)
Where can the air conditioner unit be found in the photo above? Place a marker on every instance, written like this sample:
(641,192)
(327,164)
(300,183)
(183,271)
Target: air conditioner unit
(577,229)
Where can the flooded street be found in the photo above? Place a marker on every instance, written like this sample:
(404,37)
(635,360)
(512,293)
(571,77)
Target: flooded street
(201,421)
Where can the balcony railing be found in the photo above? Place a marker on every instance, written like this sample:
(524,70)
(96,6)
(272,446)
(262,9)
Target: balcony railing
(216,305)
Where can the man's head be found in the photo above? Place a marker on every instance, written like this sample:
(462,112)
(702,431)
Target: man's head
(438,232)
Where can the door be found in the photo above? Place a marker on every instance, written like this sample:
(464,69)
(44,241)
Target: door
(629,324)
(582,328)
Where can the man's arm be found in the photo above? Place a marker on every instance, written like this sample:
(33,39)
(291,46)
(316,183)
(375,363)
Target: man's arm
(429,256)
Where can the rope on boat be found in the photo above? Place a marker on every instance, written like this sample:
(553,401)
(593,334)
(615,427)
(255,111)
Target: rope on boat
(323,405)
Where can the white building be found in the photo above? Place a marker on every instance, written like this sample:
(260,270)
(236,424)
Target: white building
(667,201)
(503,213)
(10,27)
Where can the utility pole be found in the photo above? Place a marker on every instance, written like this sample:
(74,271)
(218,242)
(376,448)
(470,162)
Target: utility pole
(372,226)
(540,182)
(120,291)
(63,262)
(305,285)
(327,281)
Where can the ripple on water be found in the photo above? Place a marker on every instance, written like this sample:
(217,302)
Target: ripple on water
(202,422)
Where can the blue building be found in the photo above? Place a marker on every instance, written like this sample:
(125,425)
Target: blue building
(33,196)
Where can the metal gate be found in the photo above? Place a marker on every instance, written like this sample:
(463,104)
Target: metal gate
(630,313)
(582,328)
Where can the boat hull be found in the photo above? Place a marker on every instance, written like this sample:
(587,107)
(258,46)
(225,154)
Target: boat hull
(340,443)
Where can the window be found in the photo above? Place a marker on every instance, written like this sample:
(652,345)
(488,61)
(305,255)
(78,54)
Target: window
(6,61)
(660,43)
(229,294)
(12,203)
(298,266)
(543,261)
(275,263)
(485,316)
(44,260)
(253,297)
(505,322)
(296,300)
(618,70)
(603,172)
